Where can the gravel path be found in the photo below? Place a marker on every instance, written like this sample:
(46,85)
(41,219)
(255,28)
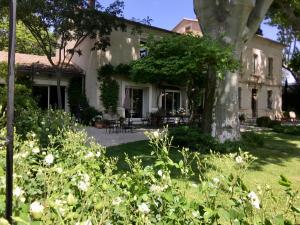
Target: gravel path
(112,139)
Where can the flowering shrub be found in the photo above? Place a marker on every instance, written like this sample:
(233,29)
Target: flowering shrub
(76,183)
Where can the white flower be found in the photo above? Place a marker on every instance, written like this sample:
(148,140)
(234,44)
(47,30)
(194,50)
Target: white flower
(87,222)
(98,154)
(194,185)
(18,192)
(254,200)
(143,208)
(216,180)
(35,150)
(89,155)
(156,134)
(160,173)
(195,214)
(22,199)
(31,144)
(156,188)
(117,201)
(239,159)
(36,210)
(82,185)
(59,170)
(49,159)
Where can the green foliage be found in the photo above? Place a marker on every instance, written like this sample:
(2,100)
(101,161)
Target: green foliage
(183,60)
(25,41)
(75,182)
(291,129)
(265,121)
(109,88)
(87,115)
(180,59)
(194,139)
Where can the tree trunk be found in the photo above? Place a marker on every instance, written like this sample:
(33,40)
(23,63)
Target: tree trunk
(209,101)
(231,22)
(59,98)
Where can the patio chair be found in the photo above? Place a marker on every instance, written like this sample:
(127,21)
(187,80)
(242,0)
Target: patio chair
(127,126)
(112,126)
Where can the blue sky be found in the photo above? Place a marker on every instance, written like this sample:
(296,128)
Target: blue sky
(167,13)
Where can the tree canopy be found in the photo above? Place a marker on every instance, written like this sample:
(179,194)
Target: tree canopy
(72,21)
(183,60)
(285,15)
(174,59)
(25,42)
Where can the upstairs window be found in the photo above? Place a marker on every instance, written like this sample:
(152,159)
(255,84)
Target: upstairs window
(255,64)
(188,29)
(240,97)
(143,49)
(270,67)
(270,101)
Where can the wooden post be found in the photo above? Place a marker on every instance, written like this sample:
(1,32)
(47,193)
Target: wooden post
(10,109)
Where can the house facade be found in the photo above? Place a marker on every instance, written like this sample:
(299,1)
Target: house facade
(136,100)
(260,80)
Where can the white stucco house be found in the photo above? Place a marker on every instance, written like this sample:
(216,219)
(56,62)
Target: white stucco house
(259,83)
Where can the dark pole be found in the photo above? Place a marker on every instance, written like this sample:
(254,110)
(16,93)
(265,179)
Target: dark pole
(10,109)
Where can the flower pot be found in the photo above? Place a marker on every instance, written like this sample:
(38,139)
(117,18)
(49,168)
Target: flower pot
(99,125)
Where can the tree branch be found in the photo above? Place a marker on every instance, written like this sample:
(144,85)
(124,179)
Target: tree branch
(257,15)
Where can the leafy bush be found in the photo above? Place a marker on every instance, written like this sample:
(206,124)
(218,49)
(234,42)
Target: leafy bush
(75,183)
(263,121)
(88,114)
(267,122)
(194,139)
(293,130)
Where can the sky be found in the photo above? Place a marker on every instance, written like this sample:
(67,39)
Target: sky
(168,13)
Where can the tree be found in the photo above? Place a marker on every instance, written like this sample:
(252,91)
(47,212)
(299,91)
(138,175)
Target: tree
(25,42)
(72,21)
(234,23)
(286,16)
(183,60)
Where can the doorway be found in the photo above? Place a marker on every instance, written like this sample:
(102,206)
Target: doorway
(254,103)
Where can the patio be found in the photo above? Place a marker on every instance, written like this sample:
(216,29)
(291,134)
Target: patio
(112,139)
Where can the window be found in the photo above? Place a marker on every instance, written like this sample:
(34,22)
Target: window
(143,49)
(171,102)
(188,29)
(134,109)
(47,96)
(255,63)
(270,102)
(240,97)
(270,67)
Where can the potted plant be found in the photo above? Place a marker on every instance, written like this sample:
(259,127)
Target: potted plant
(97,121)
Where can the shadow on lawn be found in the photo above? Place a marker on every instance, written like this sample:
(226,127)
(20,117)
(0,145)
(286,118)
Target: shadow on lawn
(278,149)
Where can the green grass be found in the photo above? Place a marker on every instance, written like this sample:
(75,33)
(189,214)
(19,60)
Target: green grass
(280,155)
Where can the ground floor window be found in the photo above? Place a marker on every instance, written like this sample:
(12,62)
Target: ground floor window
(269,101)
(46,96)
(171,102)
(133,103)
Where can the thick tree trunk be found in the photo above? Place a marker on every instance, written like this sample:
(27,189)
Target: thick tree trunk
(209,101)
(59,98)
(232,22)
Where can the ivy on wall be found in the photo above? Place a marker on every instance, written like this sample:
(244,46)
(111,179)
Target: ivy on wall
(109,87)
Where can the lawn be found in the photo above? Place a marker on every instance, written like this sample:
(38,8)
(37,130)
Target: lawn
(280,155)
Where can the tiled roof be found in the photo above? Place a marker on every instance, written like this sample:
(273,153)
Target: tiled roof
(41,63)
